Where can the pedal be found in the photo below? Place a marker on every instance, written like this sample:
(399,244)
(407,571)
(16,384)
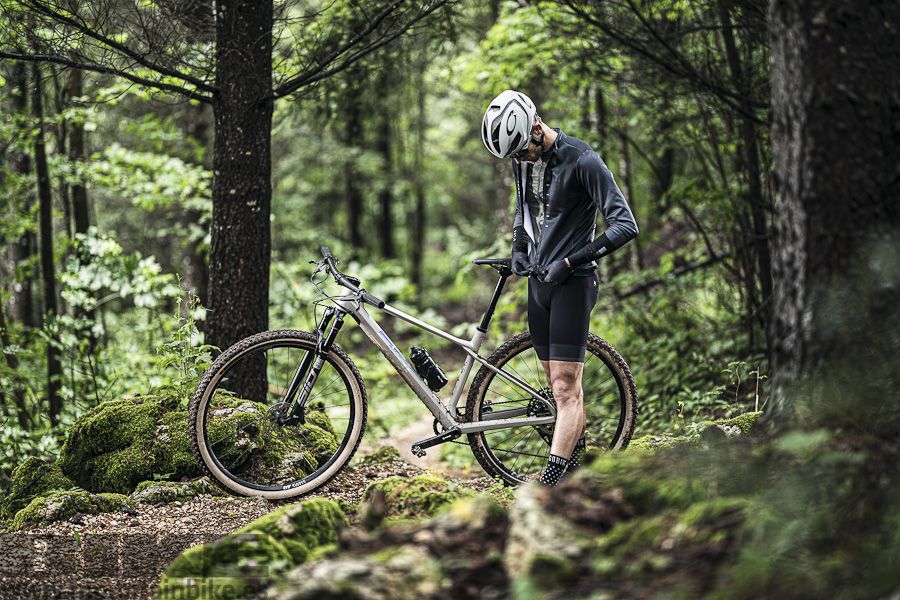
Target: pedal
(419,447)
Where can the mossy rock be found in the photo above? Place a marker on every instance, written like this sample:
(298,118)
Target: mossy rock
(410,498)
(380,456)
(646,548)
(58,506)
(120,443)
(32,478)
(164,492)
(246,560)
(698,433)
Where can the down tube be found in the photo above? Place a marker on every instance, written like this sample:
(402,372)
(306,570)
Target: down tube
(390,351)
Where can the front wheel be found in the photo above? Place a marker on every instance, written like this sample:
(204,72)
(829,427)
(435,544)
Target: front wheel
(237,425)
(518,454)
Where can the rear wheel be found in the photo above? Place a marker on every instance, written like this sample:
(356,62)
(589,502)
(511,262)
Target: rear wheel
(236,417)
(516,455)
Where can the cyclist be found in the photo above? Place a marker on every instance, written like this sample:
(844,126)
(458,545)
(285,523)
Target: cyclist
(561,183)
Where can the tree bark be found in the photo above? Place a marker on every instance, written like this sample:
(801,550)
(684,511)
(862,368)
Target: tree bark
(48,270)
(242,188)
(836,147)
(17,393)
(417,247)
(22,305)
(80,215)
(383,146)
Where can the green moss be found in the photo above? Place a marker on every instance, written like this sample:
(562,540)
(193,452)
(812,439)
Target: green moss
(32,478)
(649,482)
(122,442)
(163,492)
(415,497)
(320,419)
(62,505)
(302,526)
(258,552)
(173,447)
(384,454)
(657,442)
(745,421)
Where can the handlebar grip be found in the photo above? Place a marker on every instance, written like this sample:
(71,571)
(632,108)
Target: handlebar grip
(367,297)
(326,252)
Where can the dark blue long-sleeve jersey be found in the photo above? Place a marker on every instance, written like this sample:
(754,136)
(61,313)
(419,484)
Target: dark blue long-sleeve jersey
(557,199)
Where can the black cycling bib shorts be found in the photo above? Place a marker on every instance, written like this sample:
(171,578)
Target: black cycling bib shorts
(558,316)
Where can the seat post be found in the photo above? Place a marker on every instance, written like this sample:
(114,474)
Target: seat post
(486,319)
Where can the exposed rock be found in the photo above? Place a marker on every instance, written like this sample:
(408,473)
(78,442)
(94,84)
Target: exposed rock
(32,478)
(163,492)
(404,573)
(538,536)
(58,506)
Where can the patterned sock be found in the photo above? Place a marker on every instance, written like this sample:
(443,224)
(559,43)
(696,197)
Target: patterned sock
(577,455)
(556,466)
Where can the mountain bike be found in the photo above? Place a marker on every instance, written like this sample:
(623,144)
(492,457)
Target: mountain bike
(280,413)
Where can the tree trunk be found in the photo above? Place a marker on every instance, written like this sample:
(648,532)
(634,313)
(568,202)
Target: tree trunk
(242,188)
(80,218)
(353,139)
(22,306)
(17,393)
(417,247)
(48,271)
(383,146)
(836,148)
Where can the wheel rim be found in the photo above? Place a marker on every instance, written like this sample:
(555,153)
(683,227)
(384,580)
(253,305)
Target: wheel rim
(240,431)
(522,452)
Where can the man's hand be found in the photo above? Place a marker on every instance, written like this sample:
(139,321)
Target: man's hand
(520,265)
(557,272)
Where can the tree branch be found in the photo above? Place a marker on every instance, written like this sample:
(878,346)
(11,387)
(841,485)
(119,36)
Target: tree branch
(82,27)
(61,60)
(323,72)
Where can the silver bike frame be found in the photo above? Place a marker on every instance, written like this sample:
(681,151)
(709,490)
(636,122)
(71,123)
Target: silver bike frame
(444,413)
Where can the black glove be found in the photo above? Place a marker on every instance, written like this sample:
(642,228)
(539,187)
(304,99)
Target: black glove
(520,265)
(557,272)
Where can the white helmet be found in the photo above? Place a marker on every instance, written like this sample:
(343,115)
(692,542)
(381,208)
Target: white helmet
(507,122)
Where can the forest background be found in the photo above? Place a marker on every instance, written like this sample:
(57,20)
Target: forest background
(114,252)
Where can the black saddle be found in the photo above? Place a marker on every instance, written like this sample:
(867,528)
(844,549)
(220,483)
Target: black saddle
(501,264)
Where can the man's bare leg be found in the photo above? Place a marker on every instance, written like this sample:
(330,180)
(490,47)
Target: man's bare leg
(569,374)
(565,378)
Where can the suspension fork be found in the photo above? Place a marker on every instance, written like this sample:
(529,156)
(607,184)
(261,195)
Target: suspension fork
(309,368)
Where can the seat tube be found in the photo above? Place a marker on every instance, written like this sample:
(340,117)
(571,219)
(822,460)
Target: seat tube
(489,313)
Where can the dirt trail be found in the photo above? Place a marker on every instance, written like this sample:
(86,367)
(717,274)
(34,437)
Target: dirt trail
(116,555)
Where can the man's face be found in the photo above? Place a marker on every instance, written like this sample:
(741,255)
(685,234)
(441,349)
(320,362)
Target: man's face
(533,151)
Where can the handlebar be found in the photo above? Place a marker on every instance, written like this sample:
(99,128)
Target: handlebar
(345,281)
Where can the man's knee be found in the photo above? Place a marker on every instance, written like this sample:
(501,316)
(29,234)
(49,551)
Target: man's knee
(566,386)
